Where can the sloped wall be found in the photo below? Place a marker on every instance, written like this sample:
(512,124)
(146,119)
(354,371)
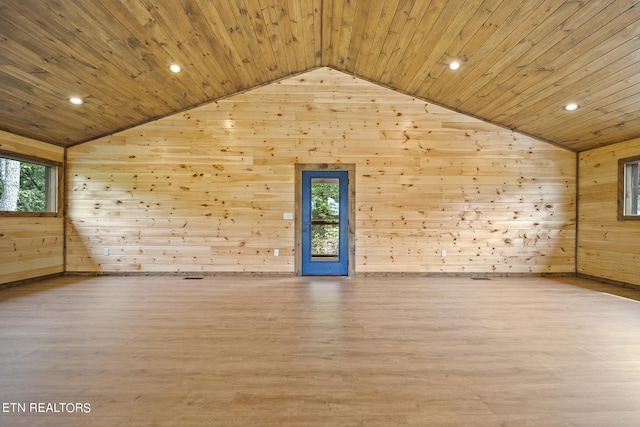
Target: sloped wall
(30,246)
(607,248)
(206,190)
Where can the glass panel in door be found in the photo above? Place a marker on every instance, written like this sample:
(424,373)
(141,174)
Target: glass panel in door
(325,223)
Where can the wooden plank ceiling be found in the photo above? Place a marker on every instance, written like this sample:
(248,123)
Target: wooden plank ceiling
(522,60)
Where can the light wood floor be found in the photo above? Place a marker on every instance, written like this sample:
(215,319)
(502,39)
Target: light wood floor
(228,351)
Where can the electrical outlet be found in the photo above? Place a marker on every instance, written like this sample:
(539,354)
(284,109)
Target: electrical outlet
(444,253)
(276,252)
(287,215)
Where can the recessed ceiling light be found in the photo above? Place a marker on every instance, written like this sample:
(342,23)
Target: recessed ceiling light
(571,107)
(175,68)
(76,101)
(454,65)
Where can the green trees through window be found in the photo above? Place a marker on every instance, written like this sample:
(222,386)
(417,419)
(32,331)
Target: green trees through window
(325,209)
(27,186)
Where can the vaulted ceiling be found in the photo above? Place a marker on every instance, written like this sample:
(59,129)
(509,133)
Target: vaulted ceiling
(521,60)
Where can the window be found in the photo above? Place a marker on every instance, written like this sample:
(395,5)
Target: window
(629,188)
(28,186)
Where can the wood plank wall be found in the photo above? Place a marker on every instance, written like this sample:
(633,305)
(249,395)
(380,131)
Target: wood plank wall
(30,246)
(607,248)
(206,190)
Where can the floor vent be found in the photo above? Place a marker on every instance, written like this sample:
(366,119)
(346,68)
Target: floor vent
(193,278)
(480,278)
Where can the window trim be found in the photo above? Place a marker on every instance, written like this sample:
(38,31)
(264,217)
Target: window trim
(621,181)
(59,195)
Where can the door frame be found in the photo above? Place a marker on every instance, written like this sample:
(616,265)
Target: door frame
(351,235)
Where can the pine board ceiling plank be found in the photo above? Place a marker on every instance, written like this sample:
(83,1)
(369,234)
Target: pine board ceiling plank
(589,139)
(432,56)
(537,42)
(37,117)
(317,37)
(154,38)
(358,41)
(50,93)
(581,129)
(604,90)
(118,42)
(302,31)
(44,81)
(326,31)
(603,136)
(579,143)
(390,44)
(35,62)
(20,88)
(380,20)
(348,15)
(146,71)
(231,48)
(335,29)
(24,89)
(367,17)
(487,63)
(275,37)
(423,25)
(625,116)
(485,72)
(550,96)
(609,65)
(272,13)
(290,46)
(262,65)
(425,76)
(259,17)
(587,45)
(215,56)
(299,34)
(187,39)
(614,126)
(483,49)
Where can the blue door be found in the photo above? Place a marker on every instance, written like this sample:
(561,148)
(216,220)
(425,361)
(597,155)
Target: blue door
(325,223)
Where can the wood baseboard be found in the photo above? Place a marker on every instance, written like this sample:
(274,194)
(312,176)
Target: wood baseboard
(609,281)
(28,281)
